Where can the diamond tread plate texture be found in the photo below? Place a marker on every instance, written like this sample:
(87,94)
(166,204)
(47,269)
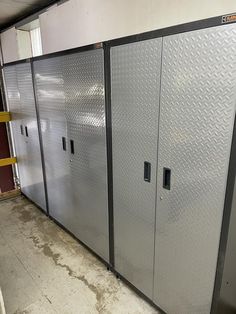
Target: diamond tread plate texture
(196,122)
(14,105)
(21,103)
(83,75)
(32,184)
(70,92)
(135,82)
(49,85)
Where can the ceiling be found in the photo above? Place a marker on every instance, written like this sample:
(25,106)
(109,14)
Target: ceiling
(11,11)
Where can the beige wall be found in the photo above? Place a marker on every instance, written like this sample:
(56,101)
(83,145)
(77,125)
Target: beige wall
(16,45)
(81,22)
(24,44)
(9,45)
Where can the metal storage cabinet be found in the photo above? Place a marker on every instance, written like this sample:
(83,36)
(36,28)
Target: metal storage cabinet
(135,89)
(14,105)
(33,184)
(195,132)
(83,75)
(21,102)
(51,106)
(70,93)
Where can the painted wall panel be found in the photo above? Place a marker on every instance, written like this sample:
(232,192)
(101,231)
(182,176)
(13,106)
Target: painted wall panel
(9,45)
(24,44)
(81,22)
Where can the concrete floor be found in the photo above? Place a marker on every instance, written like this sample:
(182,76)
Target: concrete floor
(44,270)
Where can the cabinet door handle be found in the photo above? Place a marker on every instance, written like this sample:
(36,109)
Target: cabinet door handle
(147,171)
(63,143)
(166,178)
(26,131)
(21,129)
(72,148)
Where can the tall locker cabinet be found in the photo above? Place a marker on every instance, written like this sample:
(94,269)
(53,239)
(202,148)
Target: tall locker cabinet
(197,111)
(51,106)
(135,92)
(71,102)
(83,75)
(17,128)
(21,103)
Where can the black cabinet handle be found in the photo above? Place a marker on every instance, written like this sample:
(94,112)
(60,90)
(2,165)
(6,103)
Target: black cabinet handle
(26,131)
(147,171)
(72,149)
(21,129)
(63,143)
(166,178)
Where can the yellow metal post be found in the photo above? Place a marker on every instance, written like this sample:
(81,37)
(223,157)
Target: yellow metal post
(7,161)
(5,116)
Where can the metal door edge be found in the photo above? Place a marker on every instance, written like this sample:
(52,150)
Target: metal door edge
(40,137)
(225,222)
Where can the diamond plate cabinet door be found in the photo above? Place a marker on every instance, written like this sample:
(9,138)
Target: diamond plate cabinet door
(17,122)
(32,182)
(51,106)
(196,123)
(83,75)
(135,82)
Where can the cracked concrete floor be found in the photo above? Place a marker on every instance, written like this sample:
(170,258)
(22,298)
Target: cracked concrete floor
(44,270)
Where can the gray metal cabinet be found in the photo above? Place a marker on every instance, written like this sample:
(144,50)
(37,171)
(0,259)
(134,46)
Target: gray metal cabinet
(33,182)
(195,131)
(21,102)
(14,105)
(83,75)
(51,106)
(70,96)
(135,92)
(172,115)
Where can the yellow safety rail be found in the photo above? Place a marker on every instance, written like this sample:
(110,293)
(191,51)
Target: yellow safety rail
(5,116)
(7,161)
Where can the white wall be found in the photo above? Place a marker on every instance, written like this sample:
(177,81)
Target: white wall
(9,45)
(81,22)
(24,44)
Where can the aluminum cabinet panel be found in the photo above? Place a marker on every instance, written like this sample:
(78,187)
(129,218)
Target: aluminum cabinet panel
(32,184)
(83,75)
(14,106)
(135,88)
(51,106)
(196,122)
(227,301)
